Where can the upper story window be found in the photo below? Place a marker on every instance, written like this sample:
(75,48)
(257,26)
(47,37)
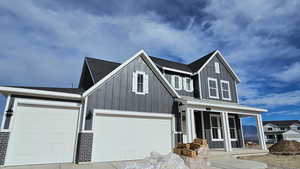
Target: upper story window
(270,129)
(217,67)
(282,128)
(176,82)
(188,84)
(140,83)
(225,90)
(213,91)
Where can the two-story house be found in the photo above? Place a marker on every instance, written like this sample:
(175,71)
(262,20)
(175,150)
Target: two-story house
(276,131)
(124,111)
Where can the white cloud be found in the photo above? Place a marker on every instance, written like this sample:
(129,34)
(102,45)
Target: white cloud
(278,99)
(284,113)
(290,73)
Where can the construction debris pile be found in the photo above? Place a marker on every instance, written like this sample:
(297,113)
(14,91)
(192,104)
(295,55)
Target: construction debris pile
(285,148)
(198,147)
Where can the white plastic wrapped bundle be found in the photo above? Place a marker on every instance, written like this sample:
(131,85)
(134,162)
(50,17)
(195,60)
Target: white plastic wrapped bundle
(158,161)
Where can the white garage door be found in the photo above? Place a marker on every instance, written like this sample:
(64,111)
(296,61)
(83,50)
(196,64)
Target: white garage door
(42,134)
(128,137)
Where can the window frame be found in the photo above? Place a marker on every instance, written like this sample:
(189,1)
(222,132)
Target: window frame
(219,128)
(137,83)
(235,129)
(209,87)
(217,67)
(229,91)
(270,129)
(190,84)
(179,82)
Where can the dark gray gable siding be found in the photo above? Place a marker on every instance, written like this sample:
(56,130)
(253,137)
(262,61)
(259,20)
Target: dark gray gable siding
(182,92)
(116,93)
(209,71)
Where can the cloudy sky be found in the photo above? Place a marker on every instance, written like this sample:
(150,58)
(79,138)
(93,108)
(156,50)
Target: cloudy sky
(43,43)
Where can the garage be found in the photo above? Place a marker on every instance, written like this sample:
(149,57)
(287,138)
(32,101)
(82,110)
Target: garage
(43,132)
(122,135)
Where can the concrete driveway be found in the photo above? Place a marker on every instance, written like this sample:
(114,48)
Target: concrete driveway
(108,165)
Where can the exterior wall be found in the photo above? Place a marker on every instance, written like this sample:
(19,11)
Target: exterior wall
(209,71)
(274,128)
(4,137)
(182,92)
(116,93)
(220,144)
(84,147)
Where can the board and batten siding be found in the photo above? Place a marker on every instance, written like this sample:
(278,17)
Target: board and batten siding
(209,71)
(116,93)
(182,92)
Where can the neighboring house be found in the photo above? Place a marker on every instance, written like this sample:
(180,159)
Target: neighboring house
(281,130)
(125,111)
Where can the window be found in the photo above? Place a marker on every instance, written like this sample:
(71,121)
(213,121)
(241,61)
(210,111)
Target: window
(140,82)
(188,84)
(232,128)
(270,129)
(298,128)
(225,90)
(270,137)
(282,128)
(213,88)
(176,82)
(216,128)
(217,67)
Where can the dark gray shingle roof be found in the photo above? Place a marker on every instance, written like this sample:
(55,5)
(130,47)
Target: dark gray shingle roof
(53,89)
(170,64)
(282,123)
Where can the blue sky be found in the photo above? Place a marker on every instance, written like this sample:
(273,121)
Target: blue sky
(43,43)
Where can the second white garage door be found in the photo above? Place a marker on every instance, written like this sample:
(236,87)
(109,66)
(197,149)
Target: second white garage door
(42,134)
(129,136)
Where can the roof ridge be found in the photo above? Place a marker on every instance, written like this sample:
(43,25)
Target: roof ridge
(86,57)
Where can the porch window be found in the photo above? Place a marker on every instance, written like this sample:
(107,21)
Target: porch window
(216,128)
(213,88)
(225,90)
(232,128)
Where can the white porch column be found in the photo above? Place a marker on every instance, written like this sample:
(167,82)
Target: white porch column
(188,124)
(260,132)
(4,113)
(242,132)
(226,132)
(193,127)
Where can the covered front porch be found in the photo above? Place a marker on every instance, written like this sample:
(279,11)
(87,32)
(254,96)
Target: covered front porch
(219,123)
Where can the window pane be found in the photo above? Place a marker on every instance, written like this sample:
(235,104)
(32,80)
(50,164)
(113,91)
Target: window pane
(212,84)
(140,81)
(232,134)
(214,121)
(225,86)
(222,134)
(213,92)
(225,94)
(188,81)
(231,122)
(176,82)
(215,133)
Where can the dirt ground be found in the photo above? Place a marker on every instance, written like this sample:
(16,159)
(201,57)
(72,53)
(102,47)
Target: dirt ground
(277,161)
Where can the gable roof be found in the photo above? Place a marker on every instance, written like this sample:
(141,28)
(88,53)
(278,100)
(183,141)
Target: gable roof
(149,62)
(100,68)
(53,89)
(282,123)
(197,64)
(161,63)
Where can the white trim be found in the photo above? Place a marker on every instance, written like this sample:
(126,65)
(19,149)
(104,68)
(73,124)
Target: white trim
(173,81)
(176,70)
(47,103)
(89,69)
(144,82)
(235,129)
(220,127)
(229,91)
(199,85)
(222,57)
(4,113)
(194,135)
(131,113)
(84,114)
(217,88)
(236,93)
(141,53)
(242,133)
(217,67)
(39,93)
(185,85)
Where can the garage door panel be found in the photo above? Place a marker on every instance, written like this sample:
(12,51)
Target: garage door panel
(127,138)
(42,135)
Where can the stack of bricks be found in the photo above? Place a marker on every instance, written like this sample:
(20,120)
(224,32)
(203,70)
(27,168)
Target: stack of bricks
(190,149)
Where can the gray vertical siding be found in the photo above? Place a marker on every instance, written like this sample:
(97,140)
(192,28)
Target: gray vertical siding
(4,137)
(116,93)
(182,92)
(209,71)
(220,144)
